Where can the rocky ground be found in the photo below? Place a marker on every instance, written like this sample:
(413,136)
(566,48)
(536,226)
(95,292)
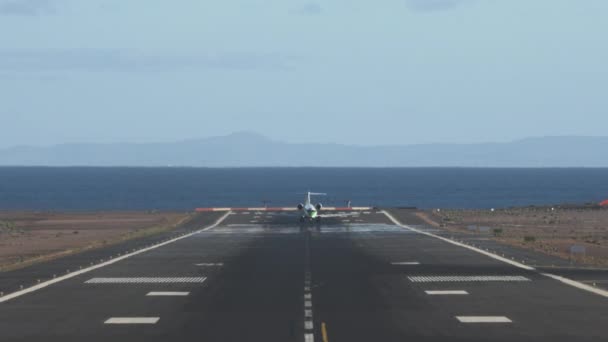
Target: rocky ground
(29,237)
(578,233)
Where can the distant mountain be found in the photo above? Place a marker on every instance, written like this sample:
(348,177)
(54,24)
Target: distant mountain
(250,149)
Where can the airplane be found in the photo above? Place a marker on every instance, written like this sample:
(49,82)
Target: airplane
(309,211)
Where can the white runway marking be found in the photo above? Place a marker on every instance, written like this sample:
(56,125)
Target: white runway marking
(210,264)
(308,296)
(309,338)
(308,313)
(573,283)
(146,280)
(430,279)
(308,325)
(308,304)
(405,263)
(491,255)
(447,292)
(483,319)
(577,284)
(103,264)
(159,293)
(132,320)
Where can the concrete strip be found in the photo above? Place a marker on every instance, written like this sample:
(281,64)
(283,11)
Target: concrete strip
(110,262)
(483,319)
(132,320)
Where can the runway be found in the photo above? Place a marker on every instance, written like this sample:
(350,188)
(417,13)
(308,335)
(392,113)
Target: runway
(260,276)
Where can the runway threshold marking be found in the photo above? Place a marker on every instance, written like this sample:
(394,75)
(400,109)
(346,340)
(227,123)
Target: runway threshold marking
(483,319)
(147,280)
(573,283)
(446,292)
(132,320)
(430,279)
(106,263)
(167,293)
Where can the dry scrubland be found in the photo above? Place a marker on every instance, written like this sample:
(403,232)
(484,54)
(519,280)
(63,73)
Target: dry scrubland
(29,237)
(548,230)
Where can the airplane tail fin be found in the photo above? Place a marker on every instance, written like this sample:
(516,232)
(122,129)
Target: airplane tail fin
(308,194)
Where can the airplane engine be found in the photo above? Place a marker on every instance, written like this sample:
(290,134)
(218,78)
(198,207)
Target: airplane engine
(300,206)
(319,206)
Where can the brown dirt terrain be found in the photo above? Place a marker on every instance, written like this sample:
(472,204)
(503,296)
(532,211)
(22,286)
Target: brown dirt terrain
(29,237)
(548,230)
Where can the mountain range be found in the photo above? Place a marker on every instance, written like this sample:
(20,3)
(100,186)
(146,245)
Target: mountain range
(246,149)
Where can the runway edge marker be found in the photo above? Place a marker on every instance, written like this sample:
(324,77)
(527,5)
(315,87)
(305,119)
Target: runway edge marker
(109,262)
(564,280)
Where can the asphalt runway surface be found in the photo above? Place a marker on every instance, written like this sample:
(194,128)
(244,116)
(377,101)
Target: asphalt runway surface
(261,276)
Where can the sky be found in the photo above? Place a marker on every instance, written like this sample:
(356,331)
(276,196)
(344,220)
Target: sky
(343,71)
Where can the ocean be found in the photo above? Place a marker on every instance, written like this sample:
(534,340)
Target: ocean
(90,188)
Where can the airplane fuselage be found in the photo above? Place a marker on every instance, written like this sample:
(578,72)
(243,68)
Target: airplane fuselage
(309,211)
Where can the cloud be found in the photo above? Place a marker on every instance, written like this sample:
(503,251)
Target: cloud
(99,60)
(433,5)
(25,7)
(310,8)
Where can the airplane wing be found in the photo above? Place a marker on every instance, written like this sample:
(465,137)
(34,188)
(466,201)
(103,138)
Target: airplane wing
(282,209)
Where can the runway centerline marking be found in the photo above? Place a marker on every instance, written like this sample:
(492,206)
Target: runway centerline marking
(446,292)
(308,321)
(132,320)
(106,263)
(573,283)
(483,319)
(167,293)
(399,263)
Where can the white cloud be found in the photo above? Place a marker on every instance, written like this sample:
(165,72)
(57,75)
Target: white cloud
(25,7)
(433,5)
(310,8)
(93,60)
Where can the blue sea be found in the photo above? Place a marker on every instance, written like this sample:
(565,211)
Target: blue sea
(77,188)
